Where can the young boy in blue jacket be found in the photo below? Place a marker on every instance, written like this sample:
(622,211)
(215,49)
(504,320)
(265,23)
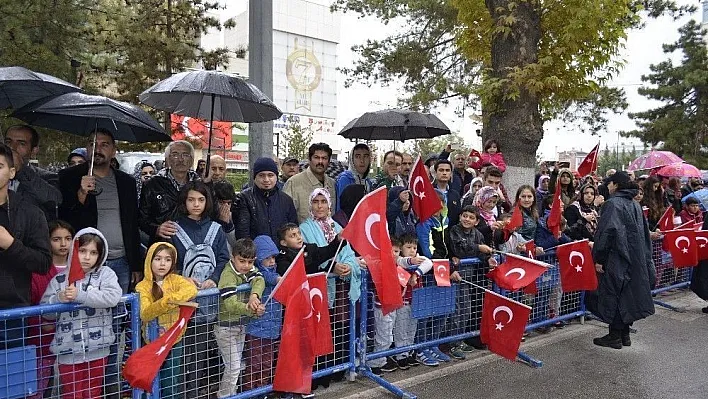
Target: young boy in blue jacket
(262,334)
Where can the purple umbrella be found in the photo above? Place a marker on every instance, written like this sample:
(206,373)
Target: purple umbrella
(654,159)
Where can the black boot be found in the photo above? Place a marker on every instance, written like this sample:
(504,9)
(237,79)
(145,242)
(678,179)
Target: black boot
(611,340)
(626,340)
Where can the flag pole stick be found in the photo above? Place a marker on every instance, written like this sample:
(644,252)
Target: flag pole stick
(334,259)
(494,293)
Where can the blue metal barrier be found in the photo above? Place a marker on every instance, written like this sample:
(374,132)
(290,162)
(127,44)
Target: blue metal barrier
(668,278)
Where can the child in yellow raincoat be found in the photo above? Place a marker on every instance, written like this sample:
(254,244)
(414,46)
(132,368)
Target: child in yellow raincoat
(159,291)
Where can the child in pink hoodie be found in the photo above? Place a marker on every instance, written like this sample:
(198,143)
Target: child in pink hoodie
(491,155)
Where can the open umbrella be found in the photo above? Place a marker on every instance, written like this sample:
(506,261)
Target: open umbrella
(83,114)
(19,86)
(211,95)
(679,170)
(702,197)
(654,159)
(395,124)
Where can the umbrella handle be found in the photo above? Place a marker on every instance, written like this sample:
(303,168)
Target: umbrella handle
(92,155)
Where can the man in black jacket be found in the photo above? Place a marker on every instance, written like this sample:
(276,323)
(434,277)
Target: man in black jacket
(38,186)
(24,249)
(158,197)
(443,173)
(264,208)
(112,209)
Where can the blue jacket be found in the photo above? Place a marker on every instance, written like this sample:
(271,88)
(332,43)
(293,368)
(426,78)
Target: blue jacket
(433,238)
(267,326)
(346,178)
(197,231)
(399,222)
(544,237)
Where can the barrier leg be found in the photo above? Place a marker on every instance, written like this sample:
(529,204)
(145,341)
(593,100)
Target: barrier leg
(524,357)
(135,326)
(670,307)
(366,372)
(351,373)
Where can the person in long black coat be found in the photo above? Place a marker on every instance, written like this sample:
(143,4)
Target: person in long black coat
(699,278)
(622,254)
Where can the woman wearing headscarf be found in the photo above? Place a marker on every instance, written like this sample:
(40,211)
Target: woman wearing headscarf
(319,228)
(542,191)
(564,177)
(486,200)
(582,215)
(468,197)
(143,172)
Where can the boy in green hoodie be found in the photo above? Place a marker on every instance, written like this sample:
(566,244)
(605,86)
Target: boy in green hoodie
(236,308)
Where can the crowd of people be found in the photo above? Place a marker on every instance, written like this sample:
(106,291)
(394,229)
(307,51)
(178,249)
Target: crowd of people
(169,232)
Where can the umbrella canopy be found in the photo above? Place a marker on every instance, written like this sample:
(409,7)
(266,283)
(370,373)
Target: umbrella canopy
(654,159)
(19,86)
(702,197)
(679,170)
(395,124)
(82,114)
(211,95)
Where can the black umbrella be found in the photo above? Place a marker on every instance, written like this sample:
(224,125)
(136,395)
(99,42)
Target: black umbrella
(395,124)
(213,96)
(82,114)
(19,86)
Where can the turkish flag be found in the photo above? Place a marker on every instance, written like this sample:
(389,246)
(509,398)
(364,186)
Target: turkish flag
(503,324)
(441,270)
(527,270)
(76,273)
(517,218)
(554,218)
(475,154)
(424,200)
(702,242)
(142,366)
(184,127)
(530,248)
(293,373)
(403,276)
(323,342)
(681,244)
(367,233)
(687,225)
(666,222)
(589,164)
(577,268)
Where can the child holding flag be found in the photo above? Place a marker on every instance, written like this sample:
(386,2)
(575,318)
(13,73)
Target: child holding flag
(235,309)
(160,291)
(83,337)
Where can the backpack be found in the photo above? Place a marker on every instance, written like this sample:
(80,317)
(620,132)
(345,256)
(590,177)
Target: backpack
(199,263)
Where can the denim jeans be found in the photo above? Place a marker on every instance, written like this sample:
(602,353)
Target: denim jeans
(122,269)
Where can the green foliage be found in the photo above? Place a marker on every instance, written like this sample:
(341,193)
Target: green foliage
(237,179)
(680,124)
(426,147)
(614,158)
(296,140)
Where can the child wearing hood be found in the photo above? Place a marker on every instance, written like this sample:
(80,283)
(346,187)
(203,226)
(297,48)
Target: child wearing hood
(83,337)
(160,291)
(358,172)
(262,334)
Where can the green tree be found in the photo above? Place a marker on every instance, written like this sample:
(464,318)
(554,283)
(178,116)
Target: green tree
(296,140)
(681,122)
(527,61)
(614,158)
(425,147)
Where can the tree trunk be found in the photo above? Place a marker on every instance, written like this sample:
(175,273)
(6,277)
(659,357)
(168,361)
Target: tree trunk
(515,123)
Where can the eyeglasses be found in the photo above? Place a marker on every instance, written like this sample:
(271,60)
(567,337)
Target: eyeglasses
(180,155)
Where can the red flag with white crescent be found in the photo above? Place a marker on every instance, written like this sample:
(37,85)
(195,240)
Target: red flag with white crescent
(441,270)
(424,200)
(682,246)
(517,219)
(702,243)
(589,164)
(554,217)
(142,366)
(367,233)
(403,276)
(666,222)
(530,248)
(323,344)
(503,324)
(517,272)
(577,268)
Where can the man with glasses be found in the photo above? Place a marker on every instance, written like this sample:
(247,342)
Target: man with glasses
(36,185)
(158,200)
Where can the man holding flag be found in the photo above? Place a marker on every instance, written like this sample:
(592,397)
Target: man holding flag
(622,254)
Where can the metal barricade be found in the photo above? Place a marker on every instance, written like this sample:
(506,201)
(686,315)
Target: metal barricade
(669,279)
(445,321)
(237,359)
(59,349)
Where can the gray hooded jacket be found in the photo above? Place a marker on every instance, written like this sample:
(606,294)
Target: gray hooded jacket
(86,334)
